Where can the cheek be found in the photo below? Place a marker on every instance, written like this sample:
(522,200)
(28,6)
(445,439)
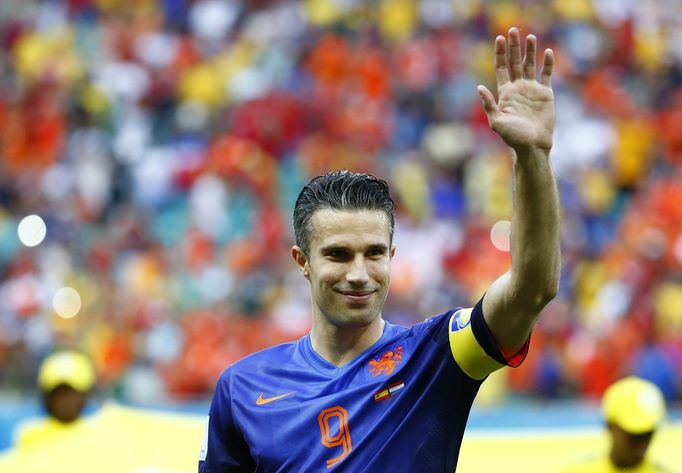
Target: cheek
(324,276)
(380,271)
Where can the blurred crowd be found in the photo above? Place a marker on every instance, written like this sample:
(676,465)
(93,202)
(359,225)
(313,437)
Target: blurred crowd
(164,143)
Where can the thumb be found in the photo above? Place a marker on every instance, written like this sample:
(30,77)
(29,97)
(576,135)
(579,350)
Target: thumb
(489,104)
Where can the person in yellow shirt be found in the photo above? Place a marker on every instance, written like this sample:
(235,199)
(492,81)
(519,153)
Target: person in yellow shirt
(633,410)
(65,379)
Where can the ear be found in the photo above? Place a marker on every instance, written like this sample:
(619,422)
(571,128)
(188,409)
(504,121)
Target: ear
(300,260)
(391,252)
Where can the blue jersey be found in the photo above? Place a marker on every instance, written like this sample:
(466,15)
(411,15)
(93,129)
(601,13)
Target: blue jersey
(400,406)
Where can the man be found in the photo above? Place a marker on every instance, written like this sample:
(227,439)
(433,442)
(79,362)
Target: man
(358,394)
(65,379)
(633,409)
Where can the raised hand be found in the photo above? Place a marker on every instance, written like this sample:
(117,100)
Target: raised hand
(523,115)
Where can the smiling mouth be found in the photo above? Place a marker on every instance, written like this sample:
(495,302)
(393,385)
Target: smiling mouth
(357,296)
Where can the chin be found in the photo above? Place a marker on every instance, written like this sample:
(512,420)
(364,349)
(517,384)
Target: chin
(352,319)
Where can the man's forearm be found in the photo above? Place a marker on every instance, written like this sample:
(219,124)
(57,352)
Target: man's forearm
(535,235)
(514,300)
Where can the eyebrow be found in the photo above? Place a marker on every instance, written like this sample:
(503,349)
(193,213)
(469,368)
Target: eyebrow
(338,247)
(378,246)
(333,247)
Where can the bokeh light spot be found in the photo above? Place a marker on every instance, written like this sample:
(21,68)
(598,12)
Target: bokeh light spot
(31,230)
(500,234)
(66,302)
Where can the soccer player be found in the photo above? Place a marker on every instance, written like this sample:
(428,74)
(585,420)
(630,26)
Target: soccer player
(358,394)
(633,409)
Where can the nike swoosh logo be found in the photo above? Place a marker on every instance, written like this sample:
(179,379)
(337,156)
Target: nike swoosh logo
(266,400)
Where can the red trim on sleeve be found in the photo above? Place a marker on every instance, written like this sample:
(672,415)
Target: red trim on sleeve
(486,339)
(517,358)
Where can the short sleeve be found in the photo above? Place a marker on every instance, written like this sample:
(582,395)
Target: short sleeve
(473,346)
(223,448)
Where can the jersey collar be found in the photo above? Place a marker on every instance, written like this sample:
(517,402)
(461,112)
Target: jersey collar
(331,370)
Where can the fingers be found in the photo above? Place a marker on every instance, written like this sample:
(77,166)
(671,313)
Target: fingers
(529,59)
(501,70)
(548,65)
(510,67)
(489,104)
(515,68)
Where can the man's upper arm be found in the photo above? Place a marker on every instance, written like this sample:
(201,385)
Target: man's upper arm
(473,346)
(511,312)
(224,449)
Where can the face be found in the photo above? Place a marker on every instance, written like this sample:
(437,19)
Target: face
(628,450)
(348,266)
(65,403)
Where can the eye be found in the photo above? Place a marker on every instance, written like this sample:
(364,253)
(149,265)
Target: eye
(376,252)
(337,254)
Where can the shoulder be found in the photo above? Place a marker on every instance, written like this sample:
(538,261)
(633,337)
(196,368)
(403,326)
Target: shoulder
(260,360)
(657,468)
(594,465)
(26,430)
(34,431)
(431,325)
(432,329)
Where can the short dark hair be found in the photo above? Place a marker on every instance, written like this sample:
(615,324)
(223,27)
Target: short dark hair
(340,190)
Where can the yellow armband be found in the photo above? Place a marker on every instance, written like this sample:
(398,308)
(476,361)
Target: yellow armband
(467,352)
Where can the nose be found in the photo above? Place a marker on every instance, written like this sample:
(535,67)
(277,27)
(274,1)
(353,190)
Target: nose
(357,274)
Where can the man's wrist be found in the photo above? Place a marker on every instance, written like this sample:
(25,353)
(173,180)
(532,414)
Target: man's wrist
(524,154)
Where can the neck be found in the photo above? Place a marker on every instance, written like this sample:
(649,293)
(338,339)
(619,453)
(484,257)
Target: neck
(340,345)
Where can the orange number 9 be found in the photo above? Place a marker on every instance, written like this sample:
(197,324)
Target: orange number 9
(340,438)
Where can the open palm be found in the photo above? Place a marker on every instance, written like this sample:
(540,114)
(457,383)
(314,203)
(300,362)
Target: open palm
(523,116)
